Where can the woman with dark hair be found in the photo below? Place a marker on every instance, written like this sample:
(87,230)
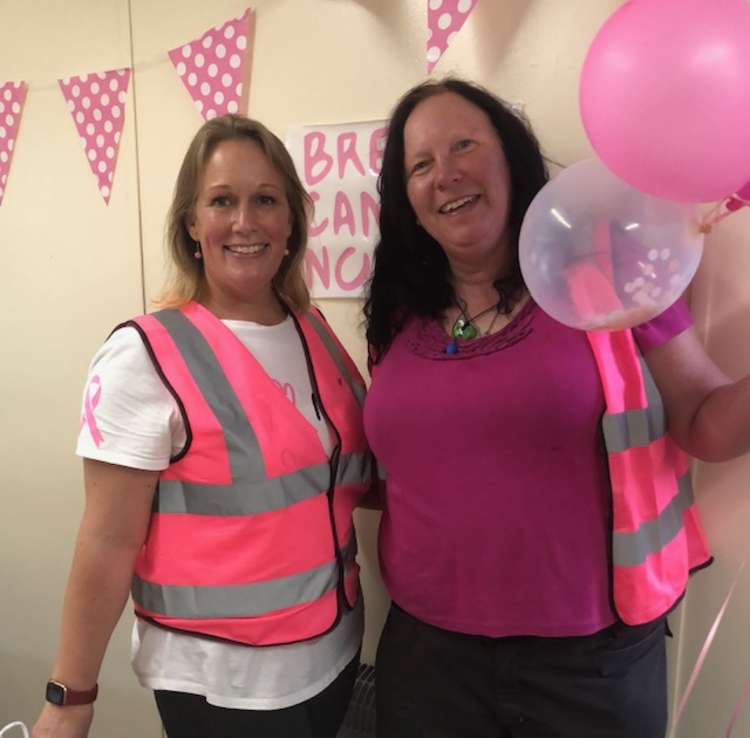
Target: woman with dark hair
(537,521)
(412,271)
(223,456)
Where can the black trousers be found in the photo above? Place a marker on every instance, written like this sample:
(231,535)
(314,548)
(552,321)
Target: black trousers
(433,683)
(190,716)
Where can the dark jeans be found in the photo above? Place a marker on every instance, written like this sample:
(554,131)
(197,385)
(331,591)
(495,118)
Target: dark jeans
(433,683)
(190,716)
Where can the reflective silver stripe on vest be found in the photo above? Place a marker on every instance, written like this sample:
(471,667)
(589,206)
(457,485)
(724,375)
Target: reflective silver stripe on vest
(640,427)
(333,349)
(245,455)
(239,600)
(632,548)
(382,473)
(271,494)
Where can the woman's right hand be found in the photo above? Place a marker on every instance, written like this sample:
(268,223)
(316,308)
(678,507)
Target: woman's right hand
(71,721)
(114,525)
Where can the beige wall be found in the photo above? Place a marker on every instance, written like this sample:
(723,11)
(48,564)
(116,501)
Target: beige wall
(721,304)
(73,268)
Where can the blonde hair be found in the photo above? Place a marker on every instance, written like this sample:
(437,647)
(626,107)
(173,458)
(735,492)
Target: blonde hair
(185,272)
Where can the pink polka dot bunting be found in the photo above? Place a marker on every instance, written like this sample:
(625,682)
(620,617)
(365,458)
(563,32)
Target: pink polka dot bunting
(445,18)
(12,97)
(212,67)
(97,103)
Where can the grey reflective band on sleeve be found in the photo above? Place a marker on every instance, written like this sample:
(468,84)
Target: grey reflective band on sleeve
(638,427)
(358,389)
(632,548)
(239,600)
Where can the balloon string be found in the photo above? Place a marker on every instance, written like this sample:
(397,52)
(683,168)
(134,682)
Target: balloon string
(16,724)
(738,709)
(706,646)
(722,210)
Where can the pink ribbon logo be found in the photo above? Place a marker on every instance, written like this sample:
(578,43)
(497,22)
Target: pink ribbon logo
(89,405)
(288,390)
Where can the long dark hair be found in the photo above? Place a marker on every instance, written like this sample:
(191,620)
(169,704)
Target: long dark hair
(411,275)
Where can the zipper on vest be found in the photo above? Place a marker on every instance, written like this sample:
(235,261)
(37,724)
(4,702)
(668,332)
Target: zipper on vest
(609,522)
(333,463)
(316,405)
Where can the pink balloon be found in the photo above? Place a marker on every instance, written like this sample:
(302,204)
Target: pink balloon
(665,97)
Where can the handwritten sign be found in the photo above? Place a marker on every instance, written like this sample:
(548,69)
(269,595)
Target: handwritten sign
(339,166)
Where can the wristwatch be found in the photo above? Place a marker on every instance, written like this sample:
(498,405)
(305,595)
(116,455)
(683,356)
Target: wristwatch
(58,694)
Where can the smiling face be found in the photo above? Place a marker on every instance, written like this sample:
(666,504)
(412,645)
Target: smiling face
(457,178)
(242,221)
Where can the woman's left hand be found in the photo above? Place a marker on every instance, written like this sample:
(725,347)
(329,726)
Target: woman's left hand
(708,414)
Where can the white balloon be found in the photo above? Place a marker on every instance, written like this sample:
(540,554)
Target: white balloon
(597,254)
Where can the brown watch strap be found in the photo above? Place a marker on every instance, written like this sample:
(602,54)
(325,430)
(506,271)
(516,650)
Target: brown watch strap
(60,694)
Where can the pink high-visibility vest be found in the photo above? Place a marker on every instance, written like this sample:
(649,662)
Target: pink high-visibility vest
(251,537)
(657,539)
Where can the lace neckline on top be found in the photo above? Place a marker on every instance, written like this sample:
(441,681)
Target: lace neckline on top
(428,338)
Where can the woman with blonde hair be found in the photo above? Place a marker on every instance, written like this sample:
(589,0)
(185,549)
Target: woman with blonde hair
(223,455)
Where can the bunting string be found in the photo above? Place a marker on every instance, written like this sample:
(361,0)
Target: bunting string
(213,69)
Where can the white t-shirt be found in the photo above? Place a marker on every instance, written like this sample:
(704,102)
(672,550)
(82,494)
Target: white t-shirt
(130,418)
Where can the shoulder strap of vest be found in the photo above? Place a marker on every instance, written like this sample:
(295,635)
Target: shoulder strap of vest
(634,413)
(141,325)
(343,363)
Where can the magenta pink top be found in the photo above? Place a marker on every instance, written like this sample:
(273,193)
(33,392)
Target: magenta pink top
(496,513)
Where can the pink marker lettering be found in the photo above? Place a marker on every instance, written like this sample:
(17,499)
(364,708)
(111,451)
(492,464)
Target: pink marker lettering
(377,146)
(346,150)
(343,214)
(318,267)
(369,208)
(318,161)
(315,228)
(352,284)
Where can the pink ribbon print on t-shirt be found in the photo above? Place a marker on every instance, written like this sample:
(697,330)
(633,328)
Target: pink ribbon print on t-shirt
(93,395)
(288,390)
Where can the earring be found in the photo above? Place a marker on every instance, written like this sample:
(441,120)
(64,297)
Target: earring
(286,252)
(197,253)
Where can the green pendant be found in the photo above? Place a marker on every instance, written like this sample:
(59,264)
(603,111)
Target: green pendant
(463,329)
(469,332)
